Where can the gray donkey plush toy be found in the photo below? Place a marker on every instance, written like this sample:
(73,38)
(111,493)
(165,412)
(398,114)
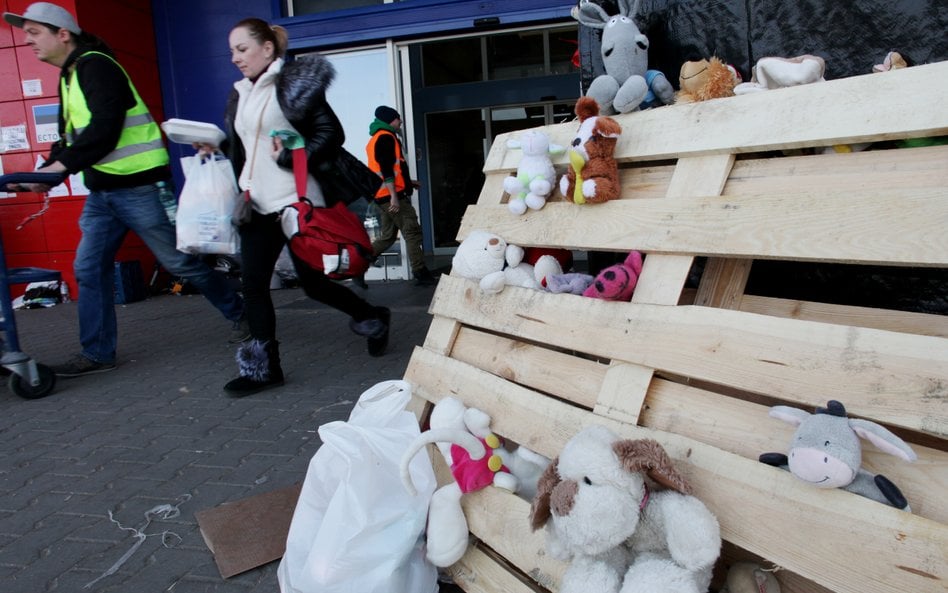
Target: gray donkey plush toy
(826,452)
(628,84)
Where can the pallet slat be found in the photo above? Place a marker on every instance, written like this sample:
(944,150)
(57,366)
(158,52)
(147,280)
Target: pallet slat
(888,376)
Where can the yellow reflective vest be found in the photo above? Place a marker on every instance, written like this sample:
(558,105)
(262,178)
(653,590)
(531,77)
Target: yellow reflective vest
(139,147)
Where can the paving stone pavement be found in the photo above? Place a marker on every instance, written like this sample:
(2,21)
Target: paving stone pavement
(80,468)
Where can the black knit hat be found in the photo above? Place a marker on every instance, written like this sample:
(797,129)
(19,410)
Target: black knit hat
(386,114)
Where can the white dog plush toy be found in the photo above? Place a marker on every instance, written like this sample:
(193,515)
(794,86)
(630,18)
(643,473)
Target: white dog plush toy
(619,535)
(535,175)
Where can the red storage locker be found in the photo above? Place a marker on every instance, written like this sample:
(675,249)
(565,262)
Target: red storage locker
(16,133)
(61,223)
(37,79)
(7,34)
(31,239)
(10,89)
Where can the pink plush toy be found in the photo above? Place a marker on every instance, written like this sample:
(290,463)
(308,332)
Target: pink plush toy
(617,282)
(474,474)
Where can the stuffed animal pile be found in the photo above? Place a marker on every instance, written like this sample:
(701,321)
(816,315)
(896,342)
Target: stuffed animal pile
(825,452)
(593,174)
(615,283)
(488,259)
(619,535)
(536,177)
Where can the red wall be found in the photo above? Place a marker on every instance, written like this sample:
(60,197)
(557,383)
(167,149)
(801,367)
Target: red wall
(50,241)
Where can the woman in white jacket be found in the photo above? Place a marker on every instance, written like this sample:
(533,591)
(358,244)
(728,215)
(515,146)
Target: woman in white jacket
(277,96)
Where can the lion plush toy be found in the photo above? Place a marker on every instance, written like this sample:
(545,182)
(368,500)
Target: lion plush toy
(593,174)
(620,536)
(701,80)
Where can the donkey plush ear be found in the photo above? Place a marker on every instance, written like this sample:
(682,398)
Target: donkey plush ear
(540,507)
(647,456)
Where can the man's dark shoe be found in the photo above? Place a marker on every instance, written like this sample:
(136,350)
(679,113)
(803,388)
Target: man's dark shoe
(424,277)
(239,332)
(360,281)
(379,342)
(80,365)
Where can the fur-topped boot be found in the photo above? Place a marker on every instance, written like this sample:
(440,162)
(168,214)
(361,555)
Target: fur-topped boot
(259,366)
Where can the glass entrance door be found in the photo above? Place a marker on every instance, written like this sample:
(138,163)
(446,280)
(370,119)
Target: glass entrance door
(458,142)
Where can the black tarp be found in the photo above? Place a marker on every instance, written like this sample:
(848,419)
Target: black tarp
(851,35)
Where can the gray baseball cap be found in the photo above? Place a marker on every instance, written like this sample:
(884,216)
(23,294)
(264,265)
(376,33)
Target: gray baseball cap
(47,13)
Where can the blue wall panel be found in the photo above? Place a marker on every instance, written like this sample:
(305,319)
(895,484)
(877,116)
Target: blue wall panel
(194,59)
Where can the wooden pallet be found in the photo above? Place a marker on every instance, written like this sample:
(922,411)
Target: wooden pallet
(699,371)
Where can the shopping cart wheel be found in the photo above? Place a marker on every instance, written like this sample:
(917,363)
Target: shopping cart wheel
(22,387)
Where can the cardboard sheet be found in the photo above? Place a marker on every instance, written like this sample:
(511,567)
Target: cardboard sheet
(250,532)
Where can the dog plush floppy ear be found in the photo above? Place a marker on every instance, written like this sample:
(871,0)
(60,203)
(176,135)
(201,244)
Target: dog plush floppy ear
(648,457)
(540,508)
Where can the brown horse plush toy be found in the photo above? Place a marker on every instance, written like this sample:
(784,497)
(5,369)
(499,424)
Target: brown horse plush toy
(593,174)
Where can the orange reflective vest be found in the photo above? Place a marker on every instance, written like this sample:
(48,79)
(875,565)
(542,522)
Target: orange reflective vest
(374,164)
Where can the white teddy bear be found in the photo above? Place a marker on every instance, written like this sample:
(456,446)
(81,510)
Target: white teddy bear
(619,535)
(488,259)
(535,178)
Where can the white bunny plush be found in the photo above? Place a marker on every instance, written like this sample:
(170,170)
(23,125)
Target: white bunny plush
(477,459)
(536,177)
(620,536)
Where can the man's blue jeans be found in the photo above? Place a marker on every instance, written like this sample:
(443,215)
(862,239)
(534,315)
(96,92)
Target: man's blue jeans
(106,218)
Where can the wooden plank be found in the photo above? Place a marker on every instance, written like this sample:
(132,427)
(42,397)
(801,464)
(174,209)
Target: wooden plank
(916,168)
(567,376)
(442,333)
(478,572)
(623,392)
(492,192)
(887,227)
(899,321)
(842,541)
(892,377)
(501,521)
(723,282)
(744,428)
(835,112)
(664,275)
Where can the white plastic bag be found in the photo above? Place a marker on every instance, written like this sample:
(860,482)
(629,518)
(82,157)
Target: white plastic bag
(355,528)
(204,208)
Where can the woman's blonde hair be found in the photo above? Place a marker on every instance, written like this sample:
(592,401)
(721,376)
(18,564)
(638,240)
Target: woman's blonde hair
(263,31)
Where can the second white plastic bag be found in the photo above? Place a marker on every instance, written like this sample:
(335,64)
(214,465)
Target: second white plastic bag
(355,528)
(205,206)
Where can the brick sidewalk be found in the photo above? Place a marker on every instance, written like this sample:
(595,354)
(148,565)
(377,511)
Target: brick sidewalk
(158,431)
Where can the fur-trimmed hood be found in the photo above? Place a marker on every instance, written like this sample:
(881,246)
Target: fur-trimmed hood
(303,83)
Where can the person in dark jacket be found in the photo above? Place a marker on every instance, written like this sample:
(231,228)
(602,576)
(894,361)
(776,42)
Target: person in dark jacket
(109,136)
(277,96)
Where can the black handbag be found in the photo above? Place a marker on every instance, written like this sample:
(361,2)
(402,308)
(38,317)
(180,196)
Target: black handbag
(346,179)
